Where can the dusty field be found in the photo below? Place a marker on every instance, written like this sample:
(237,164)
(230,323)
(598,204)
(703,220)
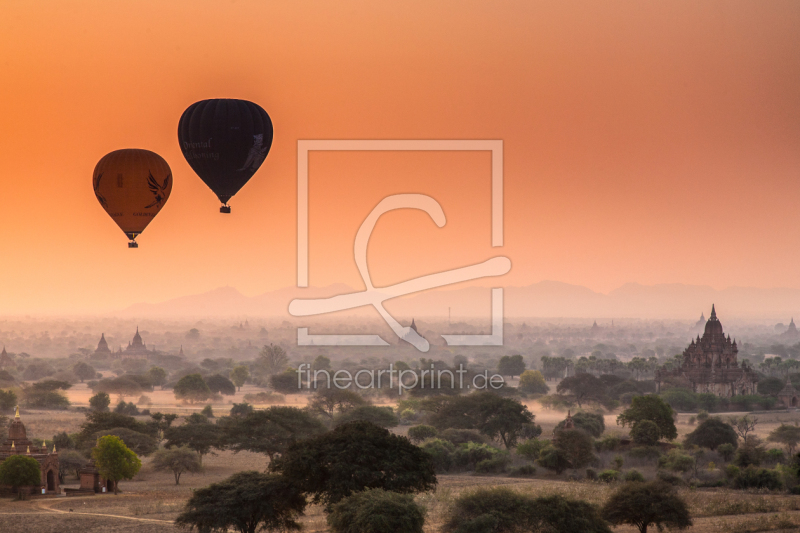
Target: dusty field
(150,502)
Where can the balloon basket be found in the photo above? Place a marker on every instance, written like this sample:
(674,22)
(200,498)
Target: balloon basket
(225,209)
(133,244)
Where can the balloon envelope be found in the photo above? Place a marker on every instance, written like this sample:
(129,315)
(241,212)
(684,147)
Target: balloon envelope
(225,141)
(132,185)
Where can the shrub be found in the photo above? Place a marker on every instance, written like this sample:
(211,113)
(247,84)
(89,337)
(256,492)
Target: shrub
(463,436)
(618,461)
(712,433)
(380,416)
(470,454)
(775,455)
(650,453)
(633,475)
(732,471)
(553,459)
(591,474)
(207,411)
(20,471)
(726,451)
(645,433)
(126,409)
(241,409)
(643,504)
(680,399)
(670,478)
(440,452)
(267,397)
(531,449)
(676,461)
(144,400)
(100,402)
(591,423)
(495,465)
(608,443)
(758,478)
(750,453)
(523,471)
(501,510)
(702,416)
(608,476)
(692,420)
(420,433)
(377,511)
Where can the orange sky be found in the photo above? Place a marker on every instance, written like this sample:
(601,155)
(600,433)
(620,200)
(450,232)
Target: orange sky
(644,142)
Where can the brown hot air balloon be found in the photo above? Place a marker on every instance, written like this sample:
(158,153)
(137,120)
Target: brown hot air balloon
(132,185)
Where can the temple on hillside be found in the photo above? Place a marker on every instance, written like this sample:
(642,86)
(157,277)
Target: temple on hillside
(5,360)
(102,346)
(137,346)
(17,443)
(710,364)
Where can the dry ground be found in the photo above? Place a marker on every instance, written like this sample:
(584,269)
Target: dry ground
(151,501)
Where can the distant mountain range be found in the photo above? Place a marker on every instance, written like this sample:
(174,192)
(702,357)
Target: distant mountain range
(544,299)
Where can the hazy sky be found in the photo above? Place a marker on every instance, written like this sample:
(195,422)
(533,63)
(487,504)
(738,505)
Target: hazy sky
(646,142)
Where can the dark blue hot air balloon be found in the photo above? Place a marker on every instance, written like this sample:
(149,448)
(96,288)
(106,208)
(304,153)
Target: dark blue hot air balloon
(225,141)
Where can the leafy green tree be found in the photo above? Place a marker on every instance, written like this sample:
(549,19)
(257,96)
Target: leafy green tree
(208,411)
(138,443)
(221,384)
(532,448)
(239,375)
(380,416)
(645,433)
(677,461)
(726,451)
(98,421)
(643,504)
(246,502)
(176,460)
(440,453)
(270,431)
(417,434)
(354,457)
(63,441)
(328,401)
(8,399)
(583,388)
(592,423)
(651,408)
(502,510)
(20,471)
(123,386)
(51,385)
(494,416)
(100,401)
(554,459)
(787,435)
(192,388)
(161,422)
(377,511)
(44,399)
(84,371)
(70,461)
(770,386)
(712,433)
(157,376)
(511,365)
(199,436)
(241,409)
(321,363)
(576,445)
(114,460)
(532,382)
(285,382)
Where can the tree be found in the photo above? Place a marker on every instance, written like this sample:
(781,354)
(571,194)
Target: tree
(51,385)
(270,431)
(138,443)
(177,460)
(642,504)
(645,433)
(285,382)
(743,425)
(239,375)
(787,435)
(592,423)
(63,441)
(711,434)
(241,409)
(221,384)
(70,461)
(380,416)
(84,371)
(576,445)
(100,402)
(199,436)
(650,408)
(354,457)
(770,386)
(417,434)
(583,388)
(532,382)
(193,388)
(7,400)
(377,511)
(122,385)
(554,459)
(511,365)
(157,376)
(321,363)
(328,401)
(246,502)
(99,421)
(502,510)
(272,360)
(114,460)
(162,421)
(20,471)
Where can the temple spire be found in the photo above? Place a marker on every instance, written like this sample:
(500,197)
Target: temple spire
(17,413)
(713,313)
